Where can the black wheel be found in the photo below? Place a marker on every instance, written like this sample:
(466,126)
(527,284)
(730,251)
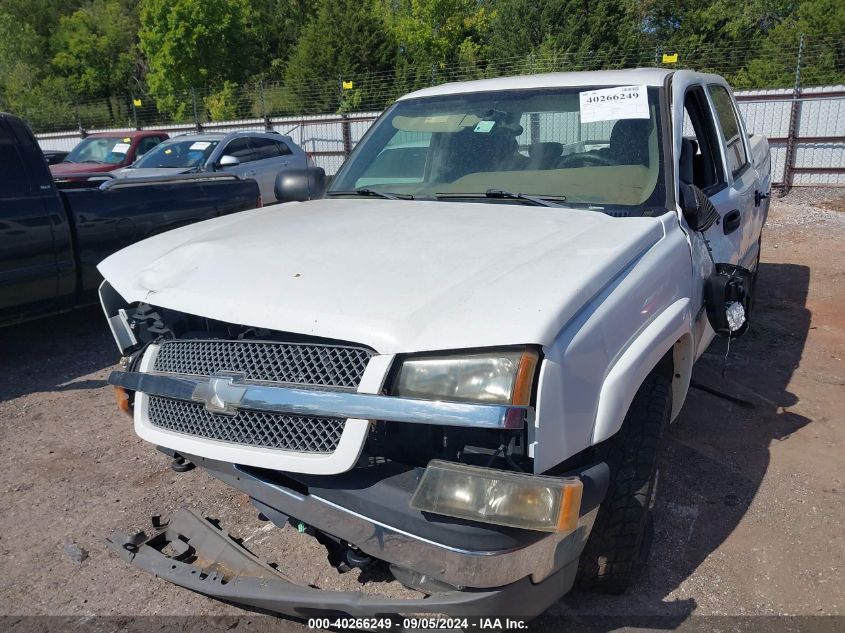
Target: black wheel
(618,545)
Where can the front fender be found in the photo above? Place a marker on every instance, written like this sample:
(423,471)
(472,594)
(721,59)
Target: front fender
(589,375)
(626,375)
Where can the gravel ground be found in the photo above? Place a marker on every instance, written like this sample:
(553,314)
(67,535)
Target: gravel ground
(748,516)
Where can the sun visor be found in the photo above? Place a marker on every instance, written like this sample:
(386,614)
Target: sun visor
(435,122)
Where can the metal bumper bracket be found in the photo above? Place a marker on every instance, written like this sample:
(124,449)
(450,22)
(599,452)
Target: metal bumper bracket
(195,553)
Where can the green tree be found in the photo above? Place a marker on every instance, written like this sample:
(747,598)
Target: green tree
(566,34)
(437,32)
(276,26)
(193,44)
(346,39)
(96,50)
(822,23)
(25,88)
(223,103)
(42,17)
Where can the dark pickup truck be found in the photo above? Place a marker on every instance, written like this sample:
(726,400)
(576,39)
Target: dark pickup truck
(53,234)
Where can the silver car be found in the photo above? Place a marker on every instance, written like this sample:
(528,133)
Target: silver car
(257,155)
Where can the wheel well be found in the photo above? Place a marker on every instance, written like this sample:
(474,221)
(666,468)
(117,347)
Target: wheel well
(666,366)
(679,364)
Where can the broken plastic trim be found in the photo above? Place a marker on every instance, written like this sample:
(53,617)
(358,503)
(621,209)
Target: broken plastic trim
(194,553)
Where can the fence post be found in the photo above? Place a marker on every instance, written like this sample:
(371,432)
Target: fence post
(196,115)
(346,131)
(134,110)
(82,132)
(264,116)
(791,138)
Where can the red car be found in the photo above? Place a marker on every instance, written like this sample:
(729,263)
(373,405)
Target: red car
(107,151)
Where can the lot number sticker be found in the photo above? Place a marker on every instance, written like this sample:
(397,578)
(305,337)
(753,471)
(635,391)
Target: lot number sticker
(200,145)
(120,148)
(609,104)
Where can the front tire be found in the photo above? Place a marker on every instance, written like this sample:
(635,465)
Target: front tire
(618,545)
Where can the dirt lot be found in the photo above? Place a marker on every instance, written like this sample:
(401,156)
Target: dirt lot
(749,516)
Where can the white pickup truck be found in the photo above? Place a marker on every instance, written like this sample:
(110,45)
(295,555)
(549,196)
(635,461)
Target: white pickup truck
(460,363)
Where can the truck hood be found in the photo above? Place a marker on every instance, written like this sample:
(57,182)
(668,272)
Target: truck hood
(398,276)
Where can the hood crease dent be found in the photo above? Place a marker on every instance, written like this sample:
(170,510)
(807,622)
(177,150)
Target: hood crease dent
(398,276)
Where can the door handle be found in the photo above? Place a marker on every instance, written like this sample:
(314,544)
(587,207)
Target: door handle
(731,221)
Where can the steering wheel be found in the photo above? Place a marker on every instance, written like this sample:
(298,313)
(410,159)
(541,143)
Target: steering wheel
(585,160)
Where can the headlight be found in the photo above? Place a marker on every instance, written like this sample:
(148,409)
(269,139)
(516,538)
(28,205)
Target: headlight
(499,377)
(530,502)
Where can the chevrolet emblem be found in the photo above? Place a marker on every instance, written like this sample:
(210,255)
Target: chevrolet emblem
(221,394)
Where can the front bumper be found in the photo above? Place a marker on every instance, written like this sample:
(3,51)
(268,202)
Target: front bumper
(229,572)
(495,570)
(226,393)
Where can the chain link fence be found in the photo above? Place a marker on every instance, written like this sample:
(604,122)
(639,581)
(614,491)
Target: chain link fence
(817,62)
(327,116)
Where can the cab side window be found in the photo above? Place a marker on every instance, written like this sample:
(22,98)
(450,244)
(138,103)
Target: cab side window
(240,149)
(265,148)
(284,150)
(727,117)
(147,144)
(14,181)
(701,159)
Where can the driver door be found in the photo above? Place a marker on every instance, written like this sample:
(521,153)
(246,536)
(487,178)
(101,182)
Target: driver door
(700,162)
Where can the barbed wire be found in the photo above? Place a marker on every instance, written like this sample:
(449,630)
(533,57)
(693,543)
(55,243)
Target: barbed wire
(821,61)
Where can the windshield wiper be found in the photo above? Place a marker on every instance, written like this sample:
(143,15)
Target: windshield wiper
(540,201)
(372,192)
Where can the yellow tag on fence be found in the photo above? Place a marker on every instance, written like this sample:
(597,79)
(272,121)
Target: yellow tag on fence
(347,85)
(137,102)
(670,59)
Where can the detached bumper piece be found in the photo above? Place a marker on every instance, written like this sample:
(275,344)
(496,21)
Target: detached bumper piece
(194,553)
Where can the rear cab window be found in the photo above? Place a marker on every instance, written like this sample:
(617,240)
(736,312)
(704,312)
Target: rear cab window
(15,181)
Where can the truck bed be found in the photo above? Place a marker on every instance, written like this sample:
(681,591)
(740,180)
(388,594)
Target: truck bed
(119,213)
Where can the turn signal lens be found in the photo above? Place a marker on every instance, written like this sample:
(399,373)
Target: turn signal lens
(530,502)
(123,401)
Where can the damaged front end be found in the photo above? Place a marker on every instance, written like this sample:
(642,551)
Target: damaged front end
(194,553)
(461,568)
(365,452)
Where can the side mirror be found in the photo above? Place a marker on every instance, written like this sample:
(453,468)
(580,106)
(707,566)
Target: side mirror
(698,211)
(728,300)
(228,161)
(298,185)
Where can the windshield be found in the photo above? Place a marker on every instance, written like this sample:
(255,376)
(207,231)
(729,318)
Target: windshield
(182,153)
(100,149)
(594,146)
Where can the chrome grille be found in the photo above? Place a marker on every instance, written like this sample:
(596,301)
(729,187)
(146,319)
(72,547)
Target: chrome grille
(295,363)
(253,428)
